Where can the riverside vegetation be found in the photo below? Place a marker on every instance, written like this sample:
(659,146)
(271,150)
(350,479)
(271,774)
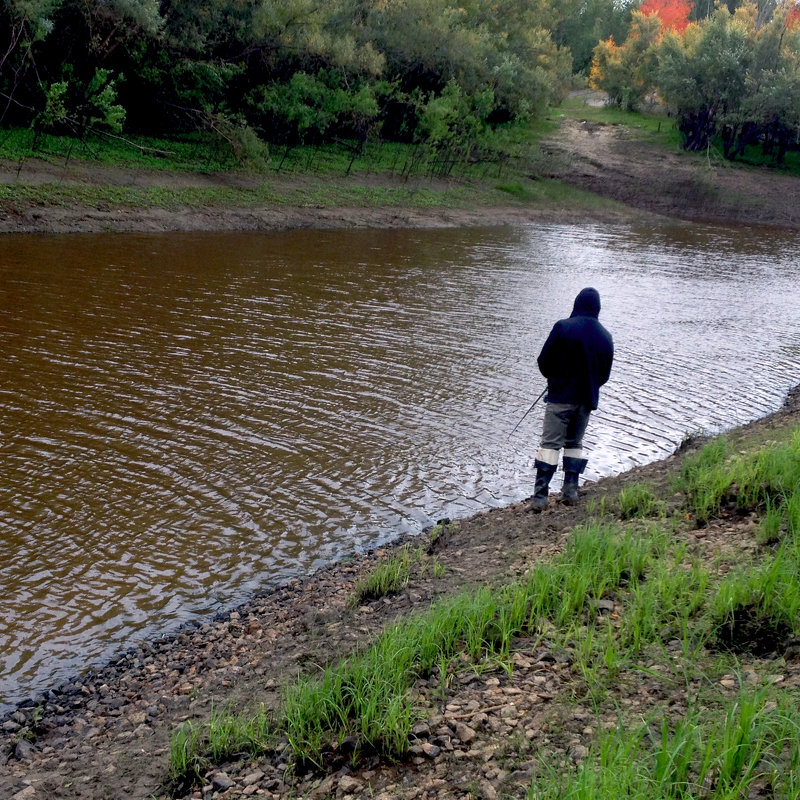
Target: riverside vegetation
(581,163)
(265,77)
(213,115)
(630,595)
(382,175)
(644,643)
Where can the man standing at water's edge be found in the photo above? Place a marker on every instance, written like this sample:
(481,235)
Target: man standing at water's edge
(576,360)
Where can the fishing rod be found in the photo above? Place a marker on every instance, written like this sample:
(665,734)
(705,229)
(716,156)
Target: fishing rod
(544,391)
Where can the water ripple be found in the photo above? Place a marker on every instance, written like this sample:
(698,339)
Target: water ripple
(204,415)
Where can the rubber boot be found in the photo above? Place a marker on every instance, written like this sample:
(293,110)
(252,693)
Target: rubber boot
(573,467)
(544,473)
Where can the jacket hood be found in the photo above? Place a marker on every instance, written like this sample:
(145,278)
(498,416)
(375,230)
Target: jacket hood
(587,303)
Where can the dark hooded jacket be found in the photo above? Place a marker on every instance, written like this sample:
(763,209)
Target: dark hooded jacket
(576,358)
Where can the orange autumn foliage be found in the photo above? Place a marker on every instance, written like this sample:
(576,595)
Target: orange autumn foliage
(607,57)
(674,14)
(792,19)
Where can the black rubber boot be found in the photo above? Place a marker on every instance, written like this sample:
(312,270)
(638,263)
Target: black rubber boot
(544,473)
(573,467)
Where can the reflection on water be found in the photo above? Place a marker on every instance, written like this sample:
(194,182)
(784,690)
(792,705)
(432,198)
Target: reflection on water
(186,417)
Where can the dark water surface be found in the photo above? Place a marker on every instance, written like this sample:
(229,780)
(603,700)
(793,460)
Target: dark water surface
(186,418)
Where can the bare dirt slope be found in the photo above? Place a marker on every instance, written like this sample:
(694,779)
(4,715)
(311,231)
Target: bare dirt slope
(71,216)
(618,163)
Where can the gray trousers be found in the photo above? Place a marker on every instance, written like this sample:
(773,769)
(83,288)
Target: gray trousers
(564,425)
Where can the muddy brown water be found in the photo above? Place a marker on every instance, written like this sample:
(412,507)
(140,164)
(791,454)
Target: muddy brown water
(185,419)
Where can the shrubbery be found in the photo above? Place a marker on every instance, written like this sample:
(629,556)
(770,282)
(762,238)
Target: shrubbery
(732,78)
(290,72)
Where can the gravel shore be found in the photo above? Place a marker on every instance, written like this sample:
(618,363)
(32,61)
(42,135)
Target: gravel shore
(106,735)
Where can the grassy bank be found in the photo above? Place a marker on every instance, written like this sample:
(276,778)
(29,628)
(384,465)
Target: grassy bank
(631,598)
(313,193)
(500,149)
(511,168)
(140,173)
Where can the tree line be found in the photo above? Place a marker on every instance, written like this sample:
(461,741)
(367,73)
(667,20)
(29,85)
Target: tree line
(280,71)
(266,73)
(732,77)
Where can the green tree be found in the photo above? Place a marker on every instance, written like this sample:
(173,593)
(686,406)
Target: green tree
(480,44)
(77,107)
(292,70)
(626,72)
(703,73)
(581,24)
(771,107)
(23,24)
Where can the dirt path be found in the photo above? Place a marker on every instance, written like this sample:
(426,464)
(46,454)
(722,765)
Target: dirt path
(616,162)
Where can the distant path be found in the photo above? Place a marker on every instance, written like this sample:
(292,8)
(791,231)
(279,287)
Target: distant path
(618,163)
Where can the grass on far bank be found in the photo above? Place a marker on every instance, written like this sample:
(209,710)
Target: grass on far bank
(261,194)
(500,155)
(385,175)
(679,616)
(311,194)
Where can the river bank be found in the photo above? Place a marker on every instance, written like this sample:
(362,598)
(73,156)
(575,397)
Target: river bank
(230,202)
(107,734)
(586,172)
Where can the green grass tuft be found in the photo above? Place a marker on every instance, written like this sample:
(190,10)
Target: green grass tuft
(716,477)
(194,748)
(186,760)
(700,756)
(638,500)
(388,577)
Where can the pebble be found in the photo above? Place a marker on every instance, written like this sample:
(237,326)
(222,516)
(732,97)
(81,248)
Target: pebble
(431,750)
(24,751)
(221,782)
(421,730)
(464,733)
(578,752)
(488,791)
(252,778)
(349,784)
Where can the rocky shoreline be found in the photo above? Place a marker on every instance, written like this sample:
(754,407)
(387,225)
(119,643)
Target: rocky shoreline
(106,734)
